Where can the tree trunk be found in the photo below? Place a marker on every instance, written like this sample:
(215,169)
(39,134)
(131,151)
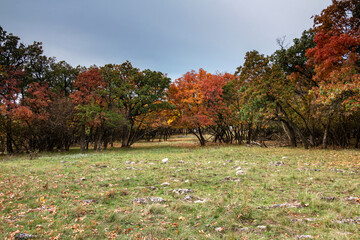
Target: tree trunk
(125,136)
(326,133)
(290,132)
(9,140)
(357,138)
(82,138)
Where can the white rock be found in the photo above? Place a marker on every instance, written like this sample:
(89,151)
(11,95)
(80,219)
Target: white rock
(187,181)
(165,160)
(165,184)
(240,172)
(238,168)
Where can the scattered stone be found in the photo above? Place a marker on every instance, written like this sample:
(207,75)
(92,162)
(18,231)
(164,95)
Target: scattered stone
(240,172)
(238,168)
(130,168)
(285,205)
(303,236)
(276,164)
(352,199)
(181,191)
(165,160)
(128,162)
(153,188)
(187,181)
(64,161)
(349,221)
(284,157)
(338,170)
(89,201)
(244,229)
(310,219)
(329,199)
(156,200)
(200,201)
(165,184)
(24,236)
(181,161)
(101,166)
(188,198)
(261,227)
(140,200)
(228,178)
(219,229)
(83,179)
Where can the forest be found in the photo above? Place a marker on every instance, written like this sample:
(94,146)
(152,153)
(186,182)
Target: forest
(305,94)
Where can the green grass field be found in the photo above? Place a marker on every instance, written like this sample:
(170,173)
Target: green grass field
(234,192)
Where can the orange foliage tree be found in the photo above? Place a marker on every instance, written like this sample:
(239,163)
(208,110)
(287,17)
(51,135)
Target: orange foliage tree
(199,102)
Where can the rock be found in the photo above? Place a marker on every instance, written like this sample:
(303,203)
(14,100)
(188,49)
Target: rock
(89,201)
(219,229)
(310,219)
(244,229)
(240,172)
(165,160)
(188,198)
(303,236)
(153,188)
(238,168)
(277,164)
(64,161)
(148,200)
(261,227)
(349,220)
(156,200)
(24,236)
(165,184)
(101,166)
(140,200)
(228,178)
(83,179)
(181,161)
(284,157)
(350,198)
(329,199)
(285,205)
(200,201)
(181,191)
(187,181)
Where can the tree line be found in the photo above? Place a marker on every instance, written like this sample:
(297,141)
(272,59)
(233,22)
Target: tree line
(306,93)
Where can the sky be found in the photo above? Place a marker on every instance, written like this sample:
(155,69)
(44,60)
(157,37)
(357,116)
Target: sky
(171,36)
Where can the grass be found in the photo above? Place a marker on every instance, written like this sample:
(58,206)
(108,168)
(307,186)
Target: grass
(90,195)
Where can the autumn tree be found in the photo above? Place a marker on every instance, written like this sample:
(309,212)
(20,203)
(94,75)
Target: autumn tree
(15,57)
(336,58)
(198,100)
(90,104)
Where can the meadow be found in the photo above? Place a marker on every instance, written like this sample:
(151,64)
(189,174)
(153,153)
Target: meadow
(178,190)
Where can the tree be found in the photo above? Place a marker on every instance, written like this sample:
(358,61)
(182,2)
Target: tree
(336,59)
(90,103)
(198,100)
(15,57)
(135,94)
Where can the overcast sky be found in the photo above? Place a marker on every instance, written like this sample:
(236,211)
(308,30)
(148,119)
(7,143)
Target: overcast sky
(171,36)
